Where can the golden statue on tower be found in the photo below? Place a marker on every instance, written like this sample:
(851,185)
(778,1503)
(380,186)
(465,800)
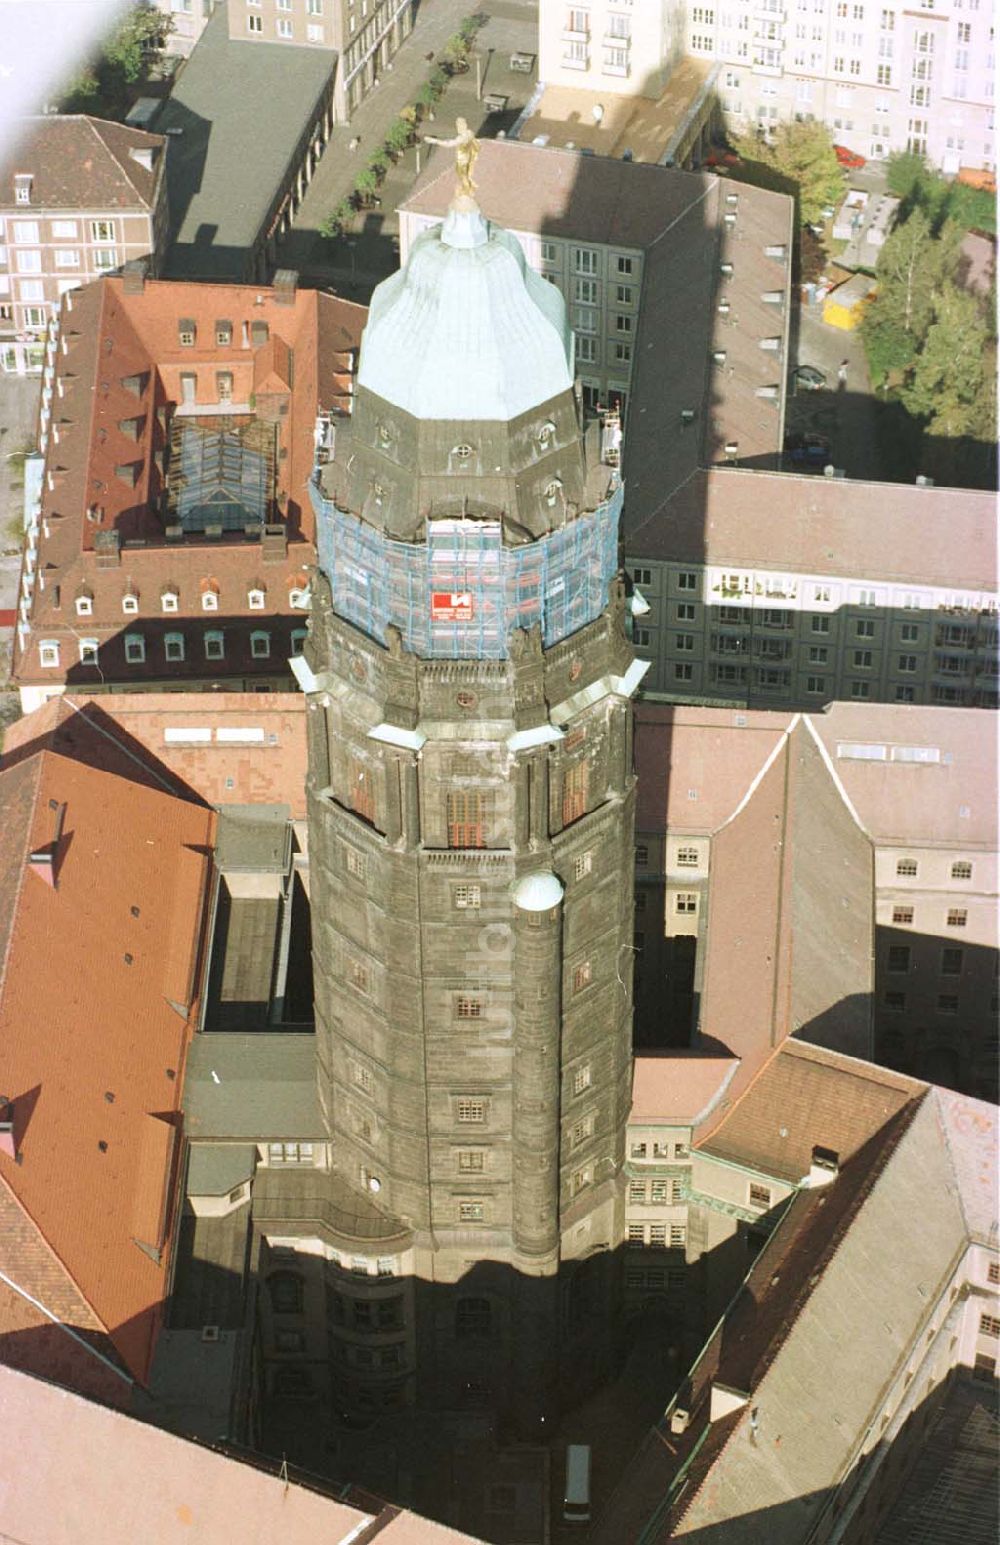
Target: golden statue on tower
(466,148)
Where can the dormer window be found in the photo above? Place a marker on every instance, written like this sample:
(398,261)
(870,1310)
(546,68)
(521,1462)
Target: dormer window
(256,599)
(223,334)
(169,600)
(173,646)
(88,651)
(209,595)
(298,597)
(130,602)
(48,652)
(85,606)
(187,333)
(260,645)
(22,187)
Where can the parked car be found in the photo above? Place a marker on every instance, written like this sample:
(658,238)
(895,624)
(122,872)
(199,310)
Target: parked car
(807,450)
(806,378)
(848,158)
(719,157)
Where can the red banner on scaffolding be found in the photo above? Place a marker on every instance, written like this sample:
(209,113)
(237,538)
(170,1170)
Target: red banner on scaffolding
(451,606)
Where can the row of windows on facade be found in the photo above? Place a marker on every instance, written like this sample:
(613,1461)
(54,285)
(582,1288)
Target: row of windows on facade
(468,815)
(947,636)
(770,680)
(464,897)
(909,869)
(380,1266)
(659,1149)
(900,960)
(947,1003)
(27,232)
(284,28)
(825,594)
(174,648)
(657,1236)
(32,261)
(170,600)
(466,1007)
(669,1193)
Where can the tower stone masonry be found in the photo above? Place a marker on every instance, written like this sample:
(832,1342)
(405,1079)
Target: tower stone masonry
(471,820)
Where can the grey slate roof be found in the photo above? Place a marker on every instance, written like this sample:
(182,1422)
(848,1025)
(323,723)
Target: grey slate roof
(215,1169)
(263,1088)
(253,838)
(243,108)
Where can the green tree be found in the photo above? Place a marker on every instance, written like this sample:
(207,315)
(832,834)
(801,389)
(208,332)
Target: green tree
(142,32)
(949,383)
(912,267)
(801,154)
(398,137)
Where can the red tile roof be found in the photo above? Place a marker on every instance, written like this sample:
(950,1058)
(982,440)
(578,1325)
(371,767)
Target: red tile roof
(92,1048)
(118,382)
(244,748)
(77,162)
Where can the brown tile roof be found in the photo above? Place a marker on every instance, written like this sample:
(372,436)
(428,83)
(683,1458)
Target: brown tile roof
(813,525)
(695,765)
(953,801)
(76,1352)
(118,371)
(77,162)
(791,903)
(678,1086)
(807,1097)
(94,957)
(259,757)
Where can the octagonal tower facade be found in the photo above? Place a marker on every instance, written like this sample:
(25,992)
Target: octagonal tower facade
(471,820)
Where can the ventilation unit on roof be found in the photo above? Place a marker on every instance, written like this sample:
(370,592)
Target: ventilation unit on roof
(679,1420)
(211,1333)
(687,415)
(925,482)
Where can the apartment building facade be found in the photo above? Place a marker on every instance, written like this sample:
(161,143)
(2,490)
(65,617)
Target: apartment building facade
(365,34)
(881,77)
(768,590)
(615,46)
(79,198)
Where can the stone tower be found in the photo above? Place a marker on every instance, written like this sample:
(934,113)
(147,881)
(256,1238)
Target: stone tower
(471,822)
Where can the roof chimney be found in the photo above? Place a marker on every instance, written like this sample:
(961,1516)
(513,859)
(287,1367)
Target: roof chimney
(44,861)
(7,1129)
(273,544)
(286,282)
(134,276)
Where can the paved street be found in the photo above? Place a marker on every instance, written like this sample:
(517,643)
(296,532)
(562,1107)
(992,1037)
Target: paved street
(18,407)
(355,264)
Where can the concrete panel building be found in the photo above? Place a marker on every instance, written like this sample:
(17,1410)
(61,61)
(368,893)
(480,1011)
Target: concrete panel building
(631,248)
(79,198)
(768,589)
(881,77)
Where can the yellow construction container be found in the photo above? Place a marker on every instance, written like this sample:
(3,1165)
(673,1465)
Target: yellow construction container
(844,307)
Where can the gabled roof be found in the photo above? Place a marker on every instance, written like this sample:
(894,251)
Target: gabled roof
(791,900)
(807,1097)
(82,163)
(97,995)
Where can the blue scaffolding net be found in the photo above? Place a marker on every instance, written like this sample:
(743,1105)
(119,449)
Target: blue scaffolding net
(462,594)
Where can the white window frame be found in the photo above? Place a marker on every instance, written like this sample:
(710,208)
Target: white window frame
(256,600)
(173,648)
(215,644)
(135,649)
(260,645)
(48,653)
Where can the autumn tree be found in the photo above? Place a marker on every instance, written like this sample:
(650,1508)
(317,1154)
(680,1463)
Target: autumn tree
(800,154)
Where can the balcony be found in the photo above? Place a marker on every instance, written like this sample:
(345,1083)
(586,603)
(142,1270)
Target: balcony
(576,35)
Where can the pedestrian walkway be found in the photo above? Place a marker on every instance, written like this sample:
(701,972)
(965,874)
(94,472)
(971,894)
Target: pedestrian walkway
(353,265)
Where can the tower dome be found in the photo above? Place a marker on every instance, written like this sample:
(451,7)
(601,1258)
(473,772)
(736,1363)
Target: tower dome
(466,330)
